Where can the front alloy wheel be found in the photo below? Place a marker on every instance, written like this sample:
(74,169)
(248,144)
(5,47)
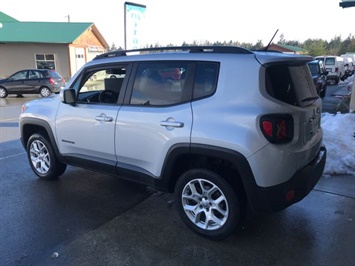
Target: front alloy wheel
(3,92)
(42,158)
(207,203)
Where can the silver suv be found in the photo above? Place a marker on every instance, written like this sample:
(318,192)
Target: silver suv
(232,131)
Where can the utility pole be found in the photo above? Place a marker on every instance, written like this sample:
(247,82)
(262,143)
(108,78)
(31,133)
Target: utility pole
(68,18)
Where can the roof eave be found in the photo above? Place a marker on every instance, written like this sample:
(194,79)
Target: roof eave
(99,36)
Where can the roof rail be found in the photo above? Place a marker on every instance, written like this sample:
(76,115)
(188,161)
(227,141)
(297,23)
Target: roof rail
(267,51)
(191,49)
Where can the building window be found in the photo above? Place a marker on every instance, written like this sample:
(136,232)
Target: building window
(45,61)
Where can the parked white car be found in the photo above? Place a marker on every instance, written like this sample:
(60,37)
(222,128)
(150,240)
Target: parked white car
(335,67)
(350,60)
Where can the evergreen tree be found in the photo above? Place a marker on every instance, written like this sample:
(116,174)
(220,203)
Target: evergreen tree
(315,47)
(113,47)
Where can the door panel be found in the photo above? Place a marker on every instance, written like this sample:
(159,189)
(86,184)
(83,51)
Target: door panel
(144,135)
(89,131)
(17,84)
(157,114)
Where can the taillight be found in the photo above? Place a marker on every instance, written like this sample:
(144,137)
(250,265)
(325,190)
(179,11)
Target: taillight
(336,69)
(277,128)
(51,81)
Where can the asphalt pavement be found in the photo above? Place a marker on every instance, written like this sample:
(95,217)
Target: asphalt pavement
(317,231)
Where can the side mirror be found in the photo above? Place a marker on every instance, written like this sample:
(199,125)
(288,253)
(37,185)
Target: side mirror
(68,96)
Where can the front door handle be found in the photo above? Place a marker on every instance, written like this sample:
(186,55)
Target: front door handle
(104,118)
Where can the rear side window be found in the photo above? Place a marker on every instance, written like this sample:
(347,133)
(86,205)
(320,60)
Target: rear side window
(33,74)
(160,83)
(163,83)
(205,80)
(291,84)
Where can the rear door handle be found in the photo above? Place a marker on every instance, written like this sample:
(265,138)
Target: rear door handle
(170,123)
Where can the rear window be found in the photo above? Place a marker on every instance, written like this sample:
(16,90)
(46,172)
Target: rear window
(54,74)
(313,68)
(291,84)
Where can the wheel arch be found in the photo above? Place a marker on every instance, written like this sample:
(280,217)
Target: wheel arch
(30,126)
(229,163)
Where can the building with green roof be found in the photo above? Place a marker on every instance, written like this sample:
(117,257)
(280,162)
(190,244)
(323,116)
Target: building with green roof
(66,45)
(287,49)
(6,18)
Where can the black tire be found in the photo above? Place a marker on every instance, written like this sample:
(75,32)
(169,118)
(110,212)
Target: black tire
(3,92)
(323,92)
(226,213)
(42,158)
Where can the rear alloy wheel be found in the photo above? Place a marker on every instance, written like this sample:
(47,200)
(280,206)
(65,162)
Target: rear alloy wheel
(42,158)
(45,92)
(207,204)
(3,92)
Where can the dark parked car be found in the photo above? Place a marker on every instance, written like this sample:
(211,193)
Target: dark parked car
(319,75)
(32,81)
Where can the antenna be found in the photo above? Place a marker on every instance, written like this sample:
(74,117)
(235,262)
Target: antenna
(267,47)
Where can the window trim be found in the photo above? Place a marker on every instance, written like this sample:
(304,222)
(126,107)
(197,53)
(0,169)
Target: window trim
(45,60)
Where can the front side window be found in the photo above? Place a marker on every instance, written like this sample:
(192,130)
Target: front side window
(45,61)
(20,75)
(160,83)
(101,85)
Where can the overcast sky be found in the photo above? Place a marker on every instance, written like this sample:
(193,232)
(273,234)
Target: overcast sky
(177,21)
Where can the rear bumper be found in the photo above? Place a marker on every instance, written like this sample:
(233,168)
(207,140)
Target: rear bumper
(295,189)
(332,76)
(56,89)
